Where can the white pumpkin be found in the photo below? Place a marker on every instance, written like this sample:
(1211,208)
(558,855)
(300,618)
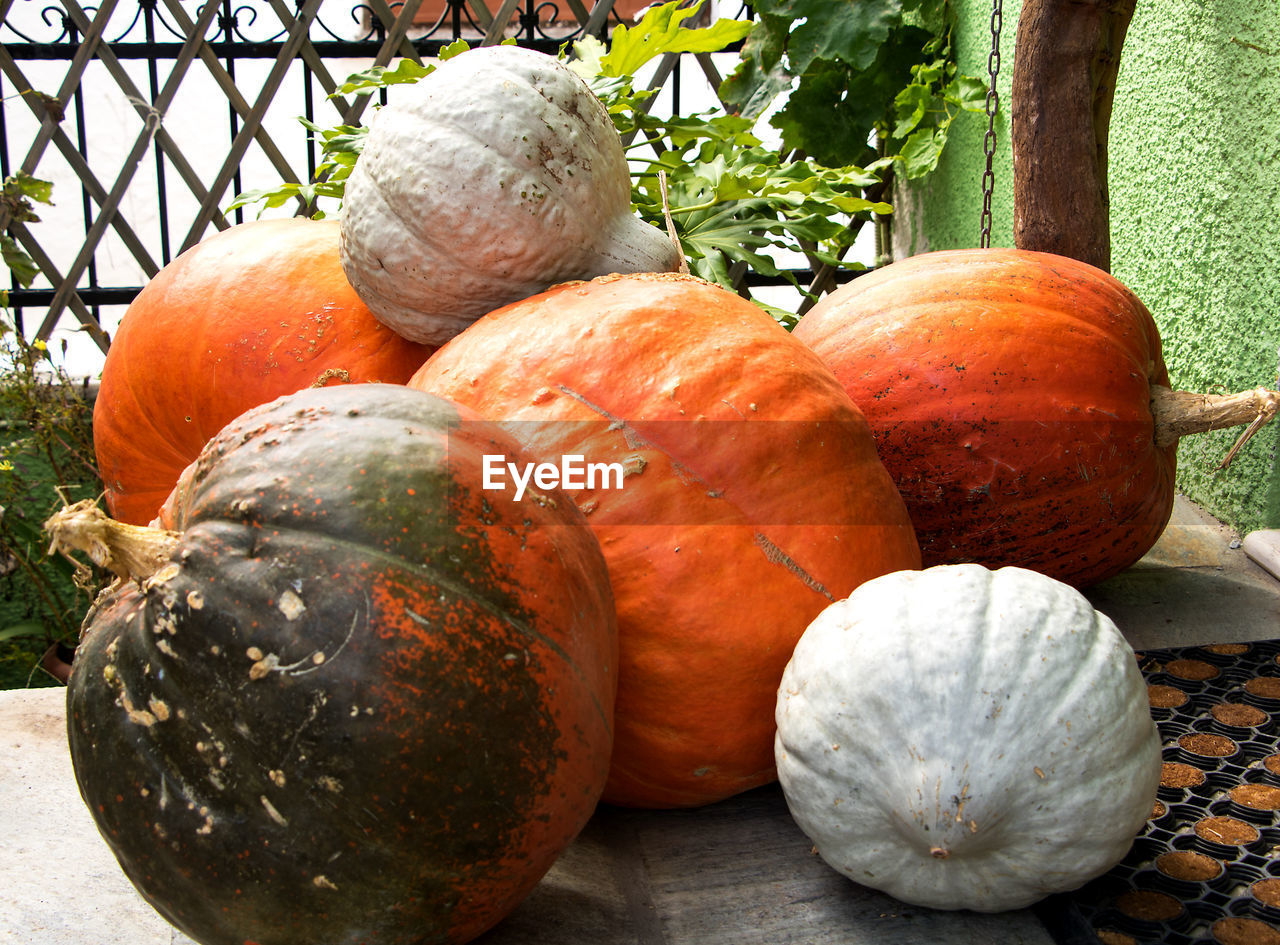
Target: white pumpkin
(962,738)
(492,178)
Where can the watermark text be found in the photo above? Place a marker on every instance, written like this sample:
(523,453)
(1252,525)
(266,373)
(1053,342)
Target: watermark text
(573,472)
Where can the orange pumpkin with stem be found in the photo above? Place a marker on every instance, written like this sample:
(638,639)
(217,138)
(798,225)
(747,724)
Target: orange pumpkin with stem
(256,311)
(1021,402)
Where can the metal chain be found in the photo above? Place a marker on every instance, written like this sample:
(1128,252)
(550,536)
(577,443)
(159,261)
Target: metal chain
(993,103)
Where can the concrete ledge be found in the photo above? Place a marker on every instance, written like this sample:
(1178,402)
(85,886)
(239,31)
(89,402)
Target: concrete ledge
(59,883)
(1197,585)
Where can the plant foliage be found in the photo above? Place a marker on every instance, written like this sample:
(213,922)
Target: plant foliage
(17,204)
(857,72)
(731,200)
(853,70)
(46,460)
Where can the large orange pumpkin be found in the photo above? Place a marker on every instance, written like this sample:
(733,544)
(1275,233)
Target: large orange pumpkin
(256,311)
(1011,397)
(748,496)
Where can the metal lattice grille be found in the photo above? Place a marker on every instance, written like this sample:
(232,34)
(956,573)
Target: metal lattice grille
(151,115)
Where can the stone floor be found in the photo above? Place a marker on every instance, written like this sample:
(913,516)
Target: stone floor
(735,873)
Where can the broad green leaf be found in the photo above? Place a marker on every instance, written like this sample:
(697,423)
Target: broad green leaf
(344,139)
(968,92)
(661,31)
(833,110)
(270,197)
(930,14)
(855,205)
(921,151)
(847,31)
(909,108)
(682,132)
(826,119)
(455,48)
(761,74)
(379,77)
(22,266)
(21,186)
(588,61)
(927,73)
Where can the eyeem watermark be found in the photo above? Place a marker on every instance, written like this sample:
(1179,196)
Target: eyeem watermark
(571,473)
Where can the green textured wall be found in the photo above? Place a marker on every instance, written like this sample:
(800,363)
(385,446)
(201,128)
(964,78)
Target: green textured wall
(1195,209)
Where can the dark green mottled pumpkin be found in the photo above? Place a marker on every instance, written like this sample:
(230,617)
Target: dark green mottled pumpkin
(365,701)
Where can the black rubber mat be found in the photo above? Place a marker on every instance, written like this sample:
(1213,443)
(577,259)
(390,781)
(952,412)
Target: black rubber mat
(1206,868)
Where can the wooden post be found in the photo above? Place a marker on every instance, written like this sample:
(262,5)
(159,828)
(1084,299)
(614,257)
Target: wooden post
(1066,59)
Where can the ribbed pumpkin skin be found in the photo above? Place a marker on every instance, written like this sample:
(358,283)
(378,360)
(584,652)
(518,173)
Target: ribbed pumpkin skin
(259,310)
(495,176)
(365,702)
(753,498)
(1009,392)
(1017,760)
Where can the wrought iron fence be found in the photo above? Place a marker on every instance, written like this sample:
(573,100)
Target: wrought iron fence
(150,115)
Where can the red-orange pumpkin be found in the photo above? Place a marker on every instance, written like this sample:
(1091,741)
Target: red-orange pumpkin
(258,310)
(751,499)
(1011,397)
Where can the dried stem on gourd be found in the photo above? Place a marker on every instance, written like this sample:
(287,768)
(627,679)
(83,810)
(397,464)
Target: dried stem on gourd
(671,224)
(130,552)
(1181,413)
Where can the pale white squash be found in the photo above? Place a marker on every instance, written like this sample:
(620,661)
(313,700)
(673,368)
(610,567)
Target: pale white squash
(492,178)
(962,738)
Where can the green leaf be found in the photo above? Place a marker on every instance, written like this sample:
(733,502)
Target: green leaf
(910,107)
(967,92)
(927,73)
(661,31)
(588,61)
(847,31)
(379,77)
(22,266)
(833,110)
(930,14)
(455,48)
(344,139)
(683,132)
(734,205)
(761,74)
(824,118)
(921,151)
(20,188)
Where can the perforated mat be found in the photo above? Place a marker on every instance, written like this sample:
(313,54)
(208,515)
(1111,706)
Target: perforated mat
(1206,868)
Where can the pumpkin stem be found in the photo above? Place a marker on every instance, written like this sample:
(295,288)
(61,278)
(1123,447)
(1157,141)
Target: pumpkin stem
(671,225)
(131,552)
(1180,413)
